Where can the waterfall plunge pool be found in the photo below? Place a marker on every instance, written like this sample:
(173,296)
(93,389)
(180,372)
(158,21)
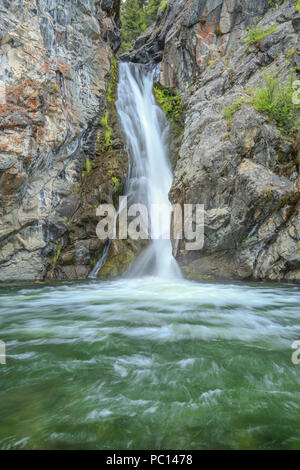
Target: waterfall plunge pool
(149,364)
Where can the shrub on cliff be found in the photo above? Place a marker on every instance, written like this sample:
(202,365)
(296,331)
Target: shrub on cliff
(256,34)
(275,98)
(170,103)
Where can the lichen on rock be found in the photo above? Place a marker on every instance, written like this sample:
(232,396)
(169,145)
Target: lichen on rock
(55,59)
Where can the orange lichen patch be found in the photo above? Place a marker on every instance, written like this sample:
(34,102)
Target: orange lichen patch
(286,213)
(13,116)
(4,147)
(14,141)
(63,68)
(2,108)
(27,103)
(204,34)
(40,133)
(32,104)
(257,214)
(49,67)
(26,95)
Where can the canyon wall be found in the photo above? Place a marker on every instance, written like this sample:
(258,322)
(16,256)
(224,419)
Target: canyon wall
(62,153)
(244,169)
(57,68)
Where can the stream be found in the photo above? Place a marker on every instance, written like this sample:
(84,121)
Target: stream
(149,364)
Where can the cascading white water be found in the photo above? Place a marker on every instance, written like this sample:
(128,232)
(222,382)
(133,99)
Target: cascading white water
(150,179)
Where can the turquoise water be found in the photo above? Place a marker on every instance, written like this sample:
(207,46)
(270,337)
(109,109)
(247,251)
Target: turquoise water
(149,364)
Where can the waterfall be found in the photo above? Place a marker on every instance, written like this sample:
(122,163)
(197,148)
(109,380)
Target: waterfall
(150,177)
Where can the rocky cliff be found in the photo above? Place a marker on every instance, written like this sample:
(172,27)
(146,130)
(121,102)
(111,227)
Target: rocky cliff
(241,164)
(61,150)
(56,75)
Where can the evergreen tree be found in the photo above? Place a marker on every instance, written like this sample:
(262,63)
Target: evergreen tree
(151,10)
(136,16)
(133,16)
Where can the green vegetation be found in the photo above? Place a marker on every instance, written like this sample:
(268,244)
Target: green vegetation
(107,131)
(248,239)
(211,63)
(117,185)
(88,167)
(104,120)
(218,31)
(108,140)
(136,16)
(57,254)
(111,93)
(117,190)
(105,138)
(256,34)
(291,52)
(276,3)
(163,5)
(170,103)
(229,111)
(275,98)
(55,87)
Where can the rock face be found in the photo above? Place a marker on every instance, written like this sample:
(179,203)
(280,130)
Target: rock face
(61,150)
(55,64)
(245,172)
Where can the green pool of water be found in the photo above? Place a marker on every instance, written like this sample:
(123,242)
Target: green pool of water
(149,364)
